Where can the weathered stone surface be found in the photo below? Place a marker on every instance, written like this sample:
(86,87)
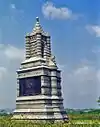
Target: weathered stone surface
(48,105)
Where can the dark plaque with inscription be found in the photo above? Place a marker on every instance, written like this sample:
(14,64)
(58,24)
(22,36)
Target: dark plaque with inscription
(29,86)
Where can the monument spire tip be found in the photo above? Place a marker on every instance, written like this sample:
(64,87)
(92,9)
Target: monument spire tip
(37,19)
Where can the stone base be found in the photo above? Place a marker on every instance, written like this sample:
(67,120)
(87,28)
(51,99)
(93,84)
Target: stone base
(40,107)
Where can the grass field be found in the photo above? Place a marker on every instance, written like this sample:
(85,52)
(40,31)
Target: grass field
(76,119)
(5,121)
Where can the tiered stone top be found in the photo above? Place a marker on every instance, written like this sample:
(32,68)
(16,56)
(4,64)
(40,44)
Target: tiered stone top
(38,42)
(38,45)
(38,28)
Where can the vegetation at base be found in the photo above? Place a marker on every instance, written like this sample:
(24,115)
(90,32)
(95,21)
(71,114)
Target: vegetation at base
(77,118)
(5,121)
(84,114)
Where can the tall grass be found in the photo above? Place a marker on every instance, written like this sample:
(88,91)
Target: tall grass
(5,121)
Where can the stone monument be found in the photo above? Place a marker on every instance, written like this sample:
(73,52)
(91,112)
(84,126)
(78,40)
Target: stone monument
(39,94)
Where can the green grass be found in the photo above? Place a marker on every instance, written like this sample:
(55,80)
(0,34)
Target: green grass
(6,122)
(75,120)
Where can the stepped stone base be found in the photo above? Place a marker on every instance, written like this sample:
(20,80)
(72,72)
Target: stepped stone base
(40,107)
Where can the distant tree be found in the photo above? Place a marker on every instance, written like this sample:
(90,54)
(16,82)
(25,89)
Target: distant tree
(81,112)
(98,101)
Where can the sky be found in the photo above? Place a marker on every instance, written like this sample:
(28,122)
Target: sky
(74,27)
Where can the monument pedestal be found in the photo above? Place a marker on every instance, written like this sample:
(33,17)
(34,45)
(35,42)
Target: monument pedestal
(39,107)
